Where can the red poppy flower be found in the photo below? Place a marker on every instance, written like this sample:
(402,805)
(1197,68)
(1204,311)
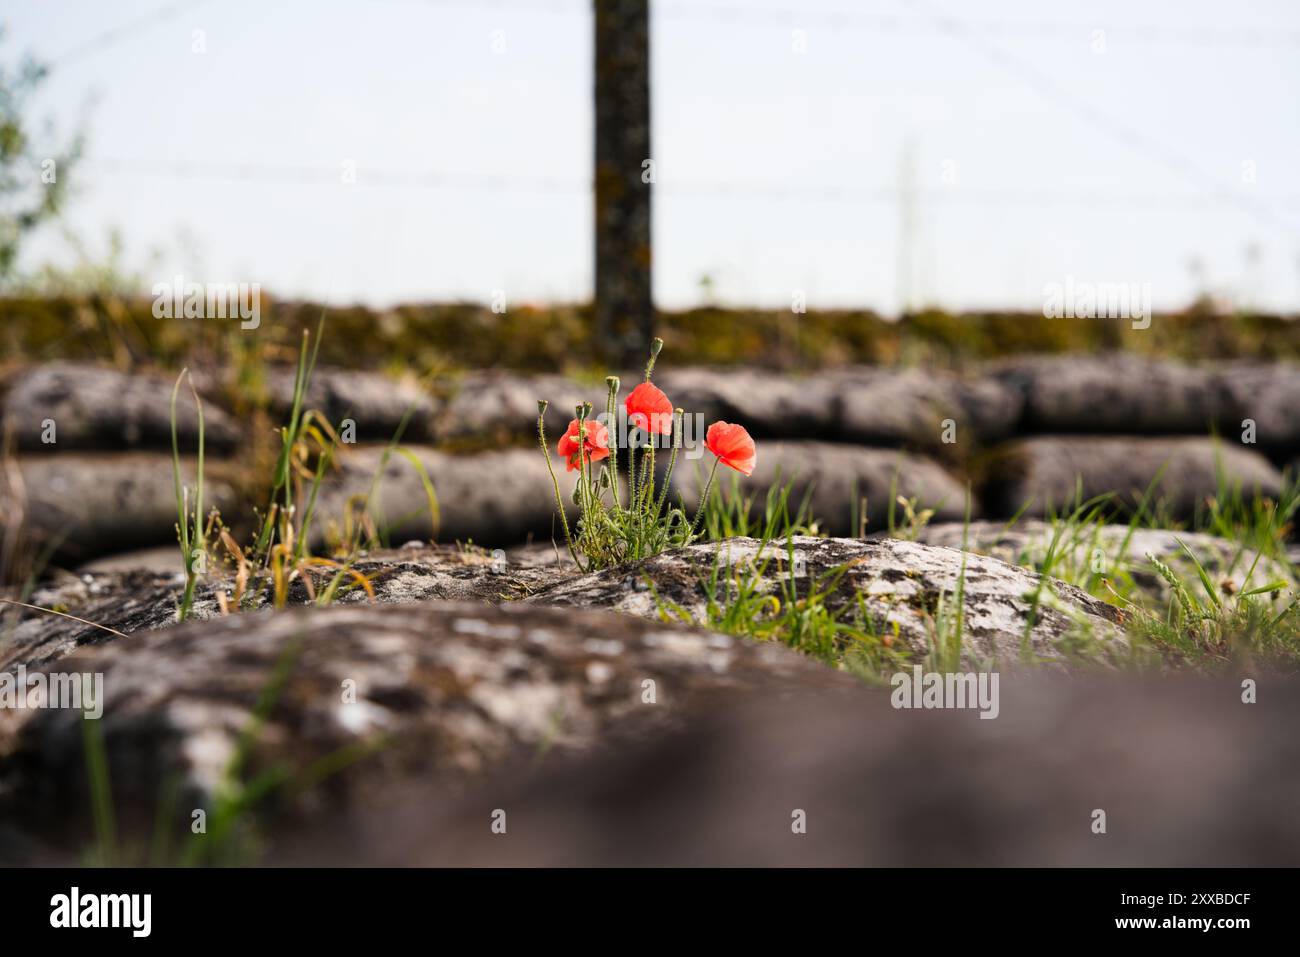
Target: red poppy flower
(732,445)
(648,409)
(595,443)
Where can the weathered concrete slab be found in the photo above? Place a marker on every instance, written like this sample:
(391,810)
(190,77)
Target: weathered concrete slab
(1051,472)
(89,504)
(501,407)
(832,477)
(376,403)
(494,499)
(923,409)
(132,600)
(93,407)
(901,585)
(1268,395)
(1118,393)
(388,692)
(1117,550)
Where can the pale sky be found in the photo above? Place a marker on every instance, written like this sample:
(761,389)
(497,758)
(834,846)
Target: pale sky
(1110,141)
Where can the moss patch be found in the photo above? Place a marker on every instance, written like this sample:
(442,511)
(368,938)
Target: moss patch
(551,338)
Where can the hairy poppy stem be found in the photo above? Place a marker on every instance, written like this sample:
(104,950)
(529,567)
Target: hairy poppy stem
(555,483)
(704,499)
(584,468)
(647,475)
(672,461)
(631,475)
(650,486)
(611,408)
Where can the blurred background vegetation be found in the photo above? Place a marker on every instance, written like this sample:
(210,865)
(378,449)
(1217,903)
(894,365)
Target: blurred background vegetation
(108,325)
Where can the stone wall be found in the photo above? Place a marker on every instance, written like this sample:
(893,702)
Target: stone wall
(1028,433)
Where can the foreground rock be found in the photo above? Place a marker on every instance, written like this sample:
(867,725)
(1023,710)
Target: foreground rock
(387,692)
(1116,552)
(81,505)
(140,599)
(92,407)
(1175,763)
(907,589)
(1051,473)
(906,586)
(832,478)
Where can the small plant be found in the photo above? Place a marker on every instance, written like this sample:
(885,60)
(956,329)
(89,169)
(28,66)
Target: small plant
(1223,626)
(191,531)
(611,529)
(914,519)
(279,554)
(733,514)
(1200,619)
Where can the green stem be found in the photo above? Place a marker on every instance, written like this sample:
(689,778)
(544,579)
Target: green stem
(672,461)
(650,486)
(647,463)
(611,407)
(704,499)
(631,476)
(555,484)
(199,532)
(584,475)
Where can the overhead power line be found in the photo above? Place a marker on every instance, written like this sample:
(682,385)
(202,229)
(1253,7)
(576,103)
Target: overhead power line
(881,22)
(895,24)
(125,31)
(291,174)
(288,174)
(1121,132)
